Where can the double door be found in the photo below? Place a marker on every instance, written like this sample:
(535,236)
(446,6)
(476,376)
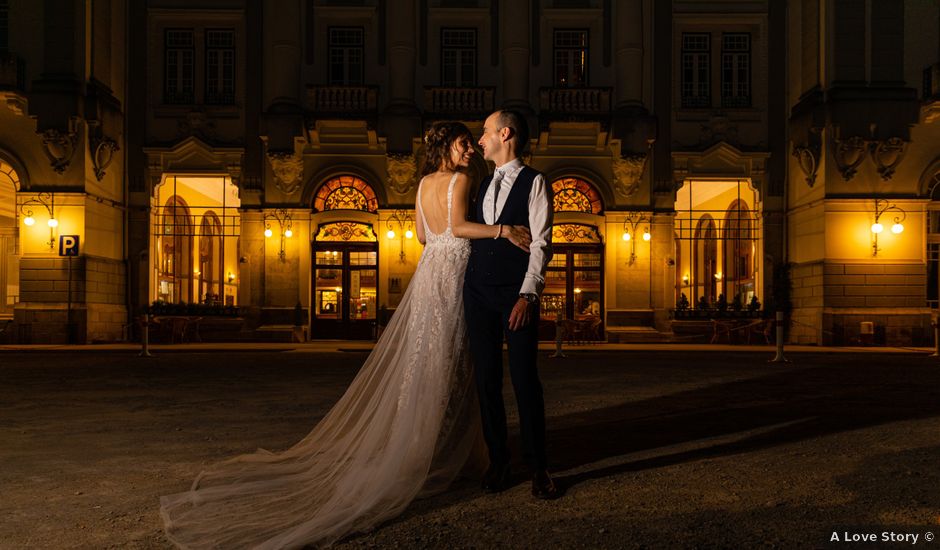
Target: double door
(573,289)
(345,284)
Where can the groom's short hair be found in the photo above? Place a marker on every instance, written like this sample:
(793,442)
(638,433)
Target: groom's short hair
(519,126)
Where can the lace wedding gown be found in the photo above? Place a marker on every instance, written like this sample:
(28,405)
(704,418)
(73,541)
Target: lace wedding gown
(404,428)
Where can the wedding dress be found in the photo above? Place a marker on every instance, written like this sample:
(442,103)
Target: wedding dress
(404,428)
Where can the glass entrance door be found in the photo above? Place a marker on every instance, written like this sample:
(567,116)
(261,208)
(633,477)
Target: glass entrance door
(345,282)
(574,288)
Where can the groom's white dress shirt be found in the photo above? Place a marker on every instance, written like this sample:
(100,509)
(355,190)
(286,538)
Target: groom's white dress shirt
(540,219)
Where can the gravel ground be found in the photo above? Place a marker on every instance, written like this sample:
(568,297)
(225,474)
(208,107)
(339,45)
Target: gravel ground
(654,449)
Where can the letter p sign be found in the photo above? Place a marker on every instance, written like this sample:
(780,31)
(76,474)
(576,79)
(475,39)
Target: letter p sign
(68,245)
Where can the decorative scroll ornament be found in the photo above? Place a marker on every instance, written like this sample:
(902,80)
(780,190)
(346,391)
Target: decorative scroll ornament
(574,233)
(102,153)
(59,148)
(346,231)
(808,159)
(402,170)
(887,155)
(627,173)
(849,154)
(288,171)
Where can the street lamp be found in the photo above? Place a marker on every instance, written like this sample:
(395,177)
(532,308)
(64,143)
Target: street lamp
(405,224)
(630,225)
(882,206)
(47,201)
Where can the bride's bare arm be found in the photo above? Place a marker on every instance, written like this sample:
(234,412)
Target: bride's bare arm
(519,235)
(419,220)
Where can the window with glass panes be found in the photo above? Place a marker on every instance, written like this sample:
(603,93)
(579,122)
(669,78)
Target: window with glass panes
(735,70)
(346,52)
(220,66)
(695,70)
(179,67)
(571,58)
(458,58)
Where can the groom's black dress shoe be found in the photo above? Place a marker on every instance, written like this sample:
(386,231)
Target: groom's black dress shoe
(543,486)
(496,478)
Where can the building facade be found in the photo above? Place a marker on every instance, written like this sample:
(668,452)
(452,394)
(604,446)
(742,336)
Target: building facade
(261,159)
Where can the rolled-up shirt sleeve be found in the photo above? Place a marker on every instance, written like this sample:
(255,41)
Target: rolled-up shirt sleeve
(540,224)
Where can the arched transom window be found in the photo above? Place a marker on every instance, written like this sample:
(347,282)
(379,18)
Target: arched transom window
(575,195)
(346,193)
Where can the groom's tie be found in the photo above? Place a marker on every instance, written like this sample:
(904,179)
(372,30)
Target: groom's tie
(497,181)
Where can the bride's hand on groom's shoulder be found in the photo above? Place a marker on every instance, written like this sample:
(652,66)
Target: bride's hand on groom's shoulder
(518,235)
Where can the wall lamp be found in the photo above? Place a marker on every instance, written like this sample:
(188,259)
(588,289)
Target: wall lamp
(47,201)
(284,222)
(630,225)
(882,206)
(405,224)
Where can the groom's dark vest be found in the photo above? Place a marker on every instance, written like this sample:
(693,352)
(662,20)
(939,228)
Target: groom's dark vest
(498,261)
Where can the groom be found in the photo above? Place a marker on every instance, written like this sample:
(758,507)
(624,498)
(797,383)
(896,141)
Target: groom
(501,300)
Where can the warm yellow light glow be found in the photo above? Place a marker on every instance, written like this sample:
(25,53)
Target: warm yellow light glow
(268,232)
(718,276)
(196,272)
(897,228)
(52,222)
(409,234)
(28,220)
(390,234)
(335,252)
(877,228)
(685,278)
(231,277)
(626,236)
(288,233)
(338,289)
(646,236)
(577,291)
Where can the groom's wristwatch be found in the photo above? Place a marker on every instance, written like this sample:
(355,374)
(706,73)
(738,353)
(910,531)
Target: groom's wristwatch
(530,297)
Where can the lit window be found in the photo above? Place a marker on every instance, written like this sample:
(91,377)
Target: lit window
(571,58)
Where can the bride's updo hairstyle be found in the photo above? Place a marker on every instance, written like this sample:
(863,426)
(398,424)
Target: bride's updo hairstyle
(437,143)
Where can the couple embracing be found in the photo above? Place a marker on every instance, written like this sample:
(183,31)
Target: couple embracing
(412,418)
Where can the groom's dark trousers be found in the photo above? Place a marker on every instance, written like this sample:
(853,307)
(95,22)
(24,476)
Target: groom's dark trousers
(495,273)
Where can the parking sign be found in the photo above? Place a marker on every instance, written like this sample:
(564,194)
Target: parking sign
(68,245)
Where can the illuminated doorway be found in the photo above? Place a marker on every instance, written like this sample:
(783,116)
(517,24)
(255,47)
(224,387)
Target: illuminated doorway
(574,279)
(345,281)
(345,262)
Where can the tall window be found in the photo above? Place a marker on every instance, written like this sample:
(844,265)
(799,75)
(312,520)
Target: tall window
(179,67)
(458,58)
(735,70)
(695,70)
(571,58)
(220,67)
(346,55)
(4,25)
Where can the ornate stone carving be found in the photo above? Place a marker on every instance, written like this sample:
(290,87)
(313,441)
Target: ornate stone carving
(628,171)
(59,147)
(718,128)
(402,170)
(197,124)
(102,153)
(288,171)
(848,154)
(887,155)
(807,157)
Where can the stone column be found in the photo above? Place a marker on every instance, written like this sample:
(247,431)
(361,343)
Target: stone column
(401,120)
(662,274)
(514,44)
(282,90)
(628,46)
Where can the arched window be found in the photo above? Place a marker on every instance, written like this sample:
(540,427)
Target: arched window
(575,195)
(210,259)
(345,193)
(175,267)
(705,261)
(9,259)
(738,253)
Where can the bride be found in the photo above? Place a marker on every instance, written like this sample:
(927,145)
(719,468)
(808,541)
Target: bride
(404,428)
